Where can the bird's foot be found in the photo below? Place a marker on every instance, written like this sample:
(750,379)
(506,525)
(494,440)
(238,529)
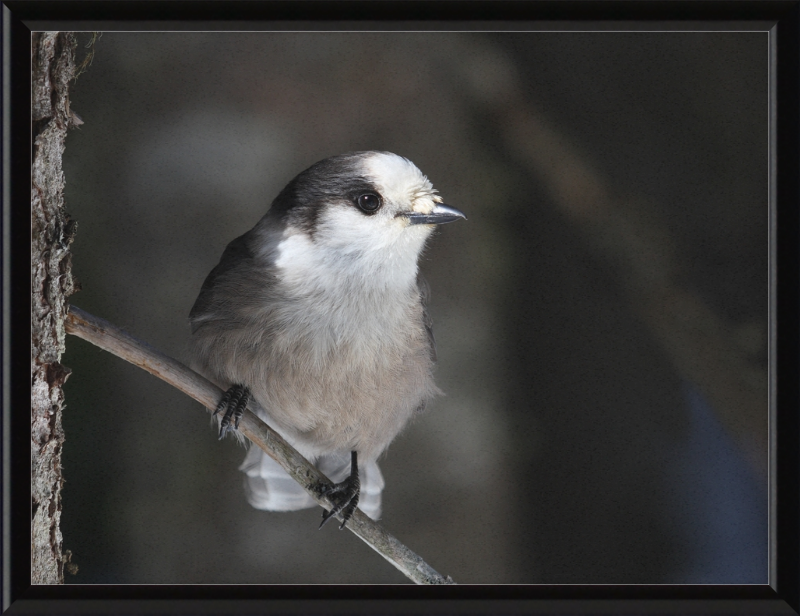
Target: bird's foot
(233,402)
(344,495)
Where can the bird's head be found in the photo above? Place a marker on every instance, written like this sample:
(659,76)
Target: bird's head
(361,211)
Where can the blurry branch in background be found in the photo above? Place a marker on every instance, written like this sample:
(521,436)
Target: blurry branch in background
(626,230)
(112,339)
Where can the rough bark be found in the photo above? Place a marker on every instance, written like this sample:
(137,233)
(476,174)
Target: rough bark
(53,66)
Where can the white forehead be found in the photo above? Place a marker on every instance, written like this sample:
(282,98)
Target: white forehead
(397,178)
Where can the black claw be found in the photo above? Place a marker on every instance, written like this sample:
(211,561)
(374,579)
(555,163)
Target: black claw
(349,489)
(234,402)
(223,403)
(326,515)
(351,507)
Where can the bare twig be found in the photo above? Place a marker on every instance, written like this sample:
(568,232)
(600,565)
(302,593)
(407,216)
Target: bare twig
(89,58)
(114,340)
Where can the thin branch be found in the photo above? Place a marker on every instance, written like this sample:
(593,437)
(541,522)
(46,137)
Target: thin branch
(112,339)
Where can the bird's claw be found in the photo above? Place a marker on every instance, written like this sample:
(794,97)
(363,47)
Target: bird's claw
(345,504)
(233,402)
(348,492)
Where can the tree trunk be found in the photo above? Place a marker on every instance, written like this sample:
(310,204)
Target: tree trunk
(53,65)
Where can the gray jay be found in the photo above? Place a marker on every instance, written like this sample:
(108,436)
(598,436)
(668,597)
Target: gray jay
(319,313)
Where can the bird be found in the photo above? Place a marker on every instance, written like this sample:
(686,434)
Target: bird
(320,314)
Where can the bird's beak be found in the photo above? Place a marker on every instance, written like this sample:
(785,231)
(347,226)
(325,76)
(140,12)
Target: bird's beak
(439,215)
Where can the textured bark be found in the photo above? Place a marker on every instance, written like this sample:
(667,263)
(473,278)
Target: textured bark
(53,66)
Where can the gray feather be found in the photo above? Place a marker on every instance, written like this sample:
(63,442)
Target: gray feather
(424,296)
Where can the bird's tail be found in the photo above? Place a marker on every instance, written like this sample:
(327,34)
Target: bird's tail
(269,487)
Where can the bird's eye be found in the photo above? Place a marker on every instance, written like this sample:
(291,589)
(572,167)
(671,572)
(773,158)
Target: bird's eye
(369,202)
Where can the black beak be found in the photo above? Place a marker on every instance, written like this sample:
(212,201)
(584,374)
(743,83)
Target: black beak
(439,215)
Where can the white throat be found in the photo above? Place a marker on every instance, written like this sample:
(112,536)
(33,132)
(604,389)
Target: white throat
(348,258)
(350,295)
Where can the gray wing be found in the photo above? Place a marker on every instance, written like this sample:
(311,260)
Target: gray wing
(424,295)
(237,255)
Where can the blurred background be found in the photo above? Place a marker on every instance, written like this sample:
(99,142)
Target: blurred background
(601,318)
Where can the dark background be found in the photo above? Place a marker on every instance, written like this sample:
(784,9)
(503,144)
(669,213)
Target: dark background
(598,317)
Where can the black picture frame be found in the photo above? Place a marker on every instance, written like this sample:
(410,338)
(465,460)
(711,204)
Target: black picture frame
(781,595)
